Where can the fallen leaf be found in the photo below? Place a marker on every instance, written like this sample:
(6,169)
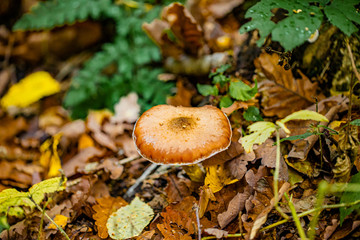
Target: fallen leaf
(183,95)
(11,127)
(216,232)
(259,133)
(30,89)
(177,188)
(235,106)
(103,209)
(129,221)
(126,110)
(205,196)
(49,158)
(217,177)
(60,220)
(85,141)
(281,89)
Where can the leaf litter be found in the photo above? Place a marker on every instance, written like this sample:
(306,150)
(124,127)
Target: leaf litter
(230,193)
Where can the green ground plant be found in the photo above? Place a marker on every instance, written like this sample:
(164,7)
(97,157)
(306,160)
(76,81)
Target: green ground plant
(131,52)
(300,19)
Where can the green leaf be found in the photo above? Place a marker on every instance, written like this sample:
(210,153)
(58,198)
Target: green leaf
(220,70)
(300,22)
(11,199)
(220,79)
(49,14)
(129,221)
(342,14)
(207,90)
(297,137)
(259,132)
(4,223)
(225,102)
(252,114)
(356,122)
(348,197)
(37,192)
(241,91)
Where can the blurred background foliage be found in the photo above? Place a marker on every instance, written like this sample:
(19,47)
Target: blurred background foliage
(129,63)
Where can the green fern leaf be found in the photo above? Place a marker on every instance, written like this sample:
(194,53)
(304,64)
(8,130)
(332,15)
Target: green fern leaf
(55,13)
(302,20)
(342,13)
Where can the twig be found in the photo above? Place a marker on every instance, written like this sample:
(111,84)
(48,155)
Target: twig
(131,191)
(128,159)
(357,75)
(296,218)
(196,207)
(228,236)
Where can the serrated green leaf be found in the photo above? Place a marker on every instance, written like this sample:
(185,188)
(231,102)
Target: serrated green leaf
(241,91)
(220,70)
(252,114)
(355,122)
(207,90)
(129,221)
(348,197)
(300,22)
(225,102)
(37,191)
(220,79)
(342,13)
(259,132)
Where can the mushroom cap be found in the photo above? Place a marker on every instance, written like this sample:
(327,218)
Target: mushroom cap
(166,134)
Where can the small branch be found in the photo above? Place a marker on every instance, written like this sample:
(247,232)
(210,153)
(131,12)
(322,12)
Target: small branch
(357,75)
(228,236)
(196,207)
(131,191)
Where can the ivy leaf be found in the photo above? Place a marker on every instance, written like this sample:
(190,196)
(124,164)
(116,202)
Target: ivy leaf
(301,21)
(349,197)
(207,90)
(342,14)
(356,122)
(129,221)
(241,91)
(259,132)
(225,102)
(252,114)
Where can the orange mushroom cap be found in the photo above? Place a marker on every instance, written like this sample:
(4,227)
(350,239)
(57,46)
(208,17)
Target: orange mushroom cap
(166,134)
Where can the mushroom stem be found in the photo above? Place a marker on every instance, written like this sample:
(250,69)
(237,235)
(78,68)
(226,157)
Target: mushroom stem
(148,171)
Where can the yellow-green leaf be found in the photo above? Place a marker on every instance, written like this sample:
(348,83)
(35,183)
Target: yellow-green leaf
(259,132)
(129,221)
(216,178)
(301,115)
(47,186)
(30,89)
(11,199)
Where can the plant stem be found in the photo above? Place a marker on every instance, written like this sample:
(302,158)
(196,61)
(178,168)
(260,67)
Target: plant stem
(228,236)
(276,176)
(50,219)
(296,218)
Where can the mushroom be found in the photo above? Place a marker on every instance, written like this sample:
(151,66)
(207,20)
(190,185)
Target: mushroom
(166,134)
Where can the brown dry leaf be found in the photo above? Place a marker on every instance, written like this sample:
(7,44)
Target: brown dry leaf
(111,165)
(235,106)
(184,27)
(236,205)
(183,95)
(18,171)
(214,8)
(157,31)
(177,188)
(73,130)
(267,152)
(10,127)
(128,146)
(281,89)
(235,149)
(254,175)
(216,232)
(237,167)
(205,196)
(103,209)
(347,227)
(79,161)
(146,235)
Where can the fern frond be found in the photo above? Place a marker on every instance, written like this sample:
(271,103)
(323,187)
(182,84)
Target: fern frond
(53,13)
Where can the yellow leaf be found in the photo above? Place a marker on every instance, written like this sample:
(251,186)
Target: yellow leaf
(301,115)
(30,89)
(85,141)
(259,132)
(216,178)
(49,155)
(60,220)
